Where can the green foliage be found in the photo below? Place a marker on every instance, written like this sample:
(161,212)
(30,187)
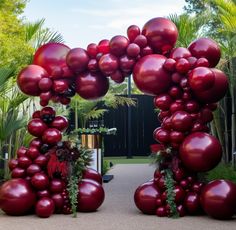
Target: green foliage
(105,167)
(73,191)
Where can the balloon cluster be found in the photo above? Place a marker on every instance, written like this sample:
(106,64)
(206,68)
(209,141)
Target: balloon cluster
(186,87)
(35,184)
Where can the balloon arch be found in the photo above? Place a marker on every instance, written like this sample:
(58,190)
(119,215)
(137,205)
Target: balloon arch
(185,86)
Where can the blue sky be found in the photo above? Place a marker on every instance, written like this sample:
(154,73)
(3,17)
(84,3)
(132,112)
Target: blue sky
(84,21)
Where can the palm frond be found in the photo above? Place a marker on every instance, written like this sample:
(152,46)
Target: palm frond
(95,113)
(5,74)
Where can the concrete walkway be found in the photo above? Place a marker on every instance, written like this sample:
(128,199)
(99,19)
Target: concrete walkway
(118,211)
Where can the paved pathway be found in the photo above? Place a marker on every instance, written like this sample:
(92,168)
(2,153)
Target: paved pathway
(118,211)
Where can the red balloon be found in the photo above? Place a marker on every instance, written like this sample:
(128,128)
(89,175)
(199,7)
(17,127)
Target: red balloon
(58,202)
(108,64)
(192,61)
(41,160)
(21,151)
(91,86)
(202,62)
(36,142)
(40,181)
(47,111)
(145,197)
(45,207)
(166,123)
(51,56)
(18,173)
(118,45)
(146,51)
(24,162)
(163,101)
(201,79)
(16,197)
(206,115)
(61,123)
(179,174)
(45,84)
(182,66)
(180,52)
(192,106)
(200,152)
(133,31)
(93,65)
(103,46)
(56,186)
(126,64)
(161,211)
(149,75)
(161,34)
(192,203)
(207,48)
(176,137)
(33,169)
(118,77)
(141,41)
(161,135)
(175,92)
(179,194)
(91,195)
(33,152)
(218,199)
(181,210)
(43,193)
(51,136)
(92,174)
(133,50)
(60,86)
(45,98)
(36,127)
(77,59)
(28,79)
(92,50)
(13,163)
(169,64)
(181,121)
(217,91)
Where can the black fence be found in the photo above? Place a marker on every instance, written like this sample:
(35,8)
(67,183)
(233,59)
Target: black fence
(143,122)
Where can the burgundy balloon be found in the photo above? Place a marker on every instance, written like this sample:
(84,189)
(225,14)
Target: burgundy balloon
(77,59)
(45,207)
(161,211)
(145,197)
(36,142)
(92,50)
(161,34)
(218,199)
(192,203)
(133,50)
(33,152)
(60,122)
(182,66)
(60,85)
(40,181)
(141,41)
(180,52)
(103,46)
(51,56)
(36,127)
(202,62)
(18,173)
(21,151)
(13,163)
(179,194)
(149,75)
(41,160)
(24,162)
(133,31)
(108,64)
(200,152)
(217,91)
(51,136)
(91,195)
(92,174)
(118,45)
(16,197)
(58,202)
(91,86)
(163,101)
(45,84)
(161,135)
(126,64)
(181,121)
(207,48)
(28,79)
(47,111)
(43,193)
(176,137)
(93,65)
(118,77)
(169,64)
(201,79)
(33,169)
(56,185)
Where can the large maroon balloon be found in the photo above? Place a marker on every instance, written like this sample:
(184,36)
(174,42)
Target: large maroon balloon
(91,195)
(58,201)
(45,207)
(51,56)
(56,185)
(77,59)
(40,181)
(217,91)
(118,45)
(145,197)
(108,64)
(36,127)
(207,48)
(51,136)
(16,197)
(192,203)
(218,199)
(91,86)
(180,52)
(28,79)
(161,34)
(60,123)
(18,173)
(33,169)
(92,174)
(149,75)
(200,152)
(181,121)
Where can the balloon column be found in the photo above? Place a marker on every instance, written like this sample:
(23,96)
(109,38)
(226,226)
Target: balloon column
(185,86)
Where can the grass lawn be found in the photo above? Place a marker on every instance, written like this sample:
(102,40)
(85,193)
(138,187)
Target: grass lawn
(124,160)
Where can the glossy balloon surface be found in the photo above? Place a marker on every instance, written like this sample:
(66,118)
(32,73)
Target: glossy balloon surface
(91,195)
(92,174)
(218,199)
(145,197)
(44,207)
(28,79)
(36,127)
(149,75)
(60,122)
(16,197)
(200,152)
(51,136)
